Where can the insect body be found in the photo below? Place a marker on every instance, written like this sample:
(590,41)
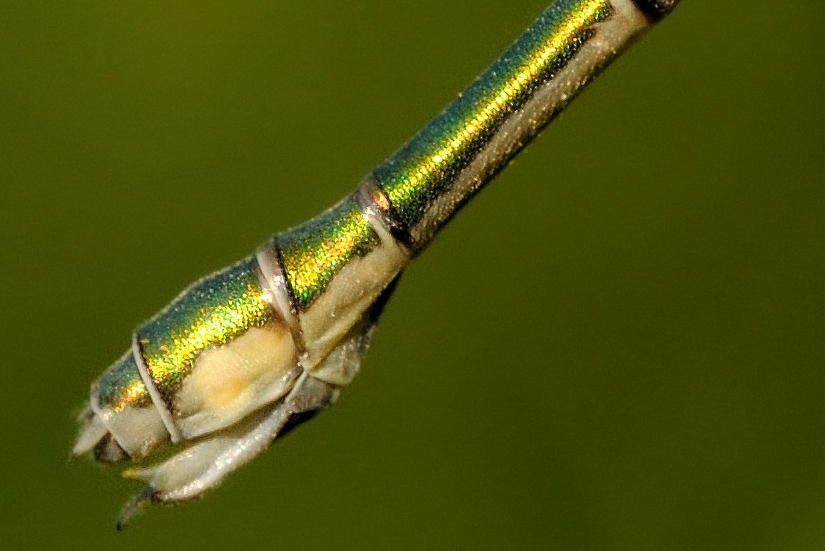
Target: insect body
(252,350)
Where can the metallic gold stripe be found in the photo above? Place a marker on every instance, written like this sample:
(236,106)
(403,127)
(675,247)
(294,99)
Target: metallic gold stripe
(424,169)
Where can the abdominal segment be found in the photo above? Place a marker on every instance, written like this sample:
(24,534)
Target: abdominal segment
(229,381)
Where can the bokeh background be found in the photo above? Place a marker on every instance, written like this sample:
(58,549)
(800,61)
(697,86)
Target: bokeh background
(618,345)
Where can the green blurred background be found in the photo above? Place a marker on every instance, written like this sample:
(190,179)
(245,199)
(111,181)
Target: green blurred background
(618,345)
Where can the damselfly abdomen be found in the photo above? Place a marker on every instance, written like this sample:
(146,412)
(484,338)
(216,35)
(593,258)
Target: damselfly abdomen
(247,353)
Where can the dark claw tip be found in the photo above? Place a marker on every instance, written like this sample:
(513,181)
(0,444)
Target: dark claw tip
(134,506)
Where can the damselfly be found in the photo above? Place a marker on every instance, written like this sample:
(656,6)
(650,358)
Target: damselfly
(247,353)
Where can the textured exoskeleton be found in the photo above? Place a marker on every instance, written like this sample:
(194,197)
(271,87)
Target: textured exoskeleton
(248,352)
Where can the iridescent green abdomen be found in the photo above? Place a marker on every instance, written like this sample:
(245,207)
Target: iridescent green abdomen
(246,353)
(424,170)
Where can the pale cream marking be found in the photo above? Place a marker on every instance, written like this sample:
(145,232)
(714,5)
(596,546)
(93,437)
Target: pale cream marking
(350,293)
(139,431)
(340,366)
(136,430)
(228,382)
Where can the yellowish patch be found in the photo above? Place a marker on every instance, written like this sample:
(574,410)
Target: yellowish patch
(230,381)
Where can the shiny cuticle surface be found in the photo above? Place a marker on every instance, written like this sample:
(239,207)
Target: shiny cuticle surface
(213,311)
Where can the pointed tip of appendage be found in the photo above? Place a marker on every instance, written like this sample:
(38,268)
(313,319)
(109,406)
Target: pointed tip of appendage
(656,8)
(91,433)
(134,506)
